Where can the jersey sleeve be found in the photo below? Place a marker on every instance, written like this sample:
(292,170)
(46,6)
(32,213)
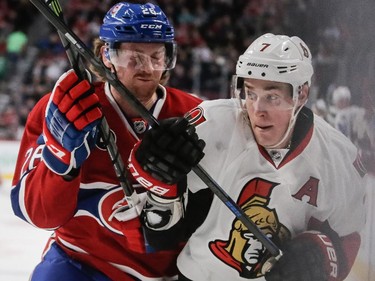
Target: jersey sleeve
(214,121)
(345,184)
(351,219)
(39,196)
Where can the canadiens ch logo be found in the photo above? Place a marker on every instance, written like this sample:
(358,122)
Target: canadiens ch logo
(242,251)
(108,204)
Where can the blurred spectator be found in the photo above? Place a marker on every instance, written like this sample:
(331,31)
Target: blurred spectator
(9,124)
(15,47)
(364,133)
(346,114)
(326,67)
(320,109)
(2,61)
(48,69)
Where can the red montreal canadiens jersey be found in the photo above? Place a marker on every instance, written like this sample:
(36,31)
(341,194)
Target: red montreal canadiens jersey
(80,212)
(316,184)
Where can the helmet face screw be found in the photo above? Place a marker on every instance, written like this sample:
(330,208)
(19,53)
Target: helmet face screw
(249,73)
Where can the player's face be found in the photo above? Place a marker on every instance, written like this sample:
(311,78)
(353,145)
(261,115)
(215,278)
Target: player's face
(139,66)
(269,105)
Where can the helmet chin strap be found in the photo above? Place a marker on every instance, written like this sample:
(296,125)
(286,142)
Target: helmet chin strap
(292,121)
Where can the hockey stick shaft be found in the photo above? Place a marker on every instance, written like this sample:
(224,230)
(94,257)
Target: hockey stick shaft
(74,57)
(131,99)
(78,66)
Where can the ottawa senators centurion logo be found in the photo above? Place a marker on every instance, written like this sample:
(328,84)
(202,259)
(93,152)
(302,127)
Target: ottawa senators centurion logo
(242,250)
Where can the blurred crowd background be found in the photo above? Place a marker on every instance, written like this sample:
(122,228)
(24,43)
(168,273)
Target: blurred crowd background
(211,34)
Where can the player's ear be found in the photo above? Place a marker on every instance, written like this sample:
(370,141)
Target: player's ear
(303,94)
(104,52)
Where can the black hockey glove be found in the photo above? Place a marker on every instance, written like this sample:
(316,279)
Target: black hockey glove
(309,257)
(170,151)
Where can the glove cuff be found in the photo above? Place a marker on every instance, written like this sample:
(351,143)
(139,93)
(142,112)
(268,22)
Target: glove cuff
(56,158)
(161,189)
(55,164)
(325,244)
(162,214)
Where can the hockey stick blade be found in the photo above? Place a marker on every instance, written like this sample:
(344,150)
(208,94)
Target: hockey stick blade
(130,98)
(78,66)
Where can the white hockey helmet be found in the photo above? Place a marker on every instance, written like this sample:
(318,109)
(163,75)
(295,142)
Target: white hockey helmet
(277,58)
(339,94)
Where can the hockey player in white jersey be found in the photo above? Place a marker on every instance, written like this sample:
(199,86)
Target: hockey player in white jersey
(297,178)
(349,117)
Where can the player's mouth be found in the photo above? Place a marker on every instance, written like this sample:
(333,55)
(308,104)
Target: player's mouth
(263,128)
(144,79)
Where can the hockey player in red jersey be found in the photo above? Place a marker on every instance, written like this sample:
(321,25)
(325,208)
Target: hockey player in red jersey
(64,180)
(297,178)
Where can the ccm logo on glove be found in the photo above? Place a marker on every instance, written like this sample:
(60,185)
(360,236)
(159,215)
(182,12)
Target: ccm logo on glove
(57,152)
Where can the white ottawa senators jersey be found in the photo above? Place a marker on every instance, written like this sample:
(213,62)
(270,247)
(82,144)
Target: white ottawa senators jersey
(317,183)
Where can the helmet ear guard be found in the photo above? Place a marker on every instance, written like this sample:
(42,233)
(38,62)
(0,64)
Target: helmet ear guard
(237,87)
(171,55)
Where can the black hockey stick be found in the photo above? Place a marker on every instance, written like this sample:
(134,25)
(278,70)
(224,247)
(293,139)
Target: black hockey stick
(79,68)
(131,99)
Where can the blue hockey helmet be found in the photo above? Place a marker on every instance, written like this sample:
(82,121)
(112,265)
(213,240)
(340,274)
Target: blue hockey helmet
(138,23)
(142,23)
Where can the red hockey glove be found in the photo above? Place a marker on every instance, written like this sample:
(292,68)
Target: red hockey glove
(70,126)
(165,156)
(310,256)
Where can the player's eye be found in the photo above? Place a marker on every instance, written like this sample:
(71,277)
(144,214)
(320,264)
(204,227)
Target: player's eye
(250,95)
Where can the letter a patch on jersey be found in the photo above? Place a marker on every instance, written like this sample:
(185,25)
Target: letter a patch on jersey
(310,190)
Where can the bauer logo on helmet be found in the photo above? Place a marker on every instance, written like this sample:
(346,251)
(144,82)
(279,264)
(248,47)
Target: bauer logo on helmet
(262,65)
